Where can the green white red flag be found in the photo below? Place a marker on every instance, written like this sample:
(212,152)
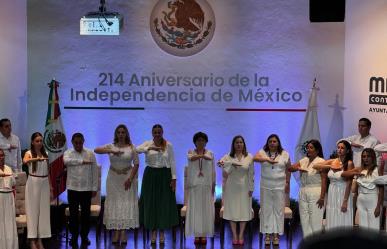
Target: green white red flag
(55,141)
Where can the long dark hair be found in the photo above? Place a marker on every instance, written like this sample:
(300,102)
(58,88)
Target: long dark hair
(349,155)
(374,165)
(232,151)
(266,146)
(127,137)
(317,146)
(2,151)
(163,141)
(33,152)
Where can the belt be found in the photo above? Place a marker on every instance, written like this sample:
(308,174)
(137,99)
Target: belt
(5,175)
(123,171)
(5,192)
(38,176)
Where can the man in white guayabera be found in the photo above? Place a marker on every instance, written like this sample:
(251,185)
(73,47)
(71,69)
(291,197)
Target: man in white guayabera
(82,185)
(362,140)
(10,144)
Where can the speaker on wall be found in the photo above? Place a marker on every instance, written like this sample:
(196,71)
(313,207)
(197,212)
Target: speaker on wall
(326,10)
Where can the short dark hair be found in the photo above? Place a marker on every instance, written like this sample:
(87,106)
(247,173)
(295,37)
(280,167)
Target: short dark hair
(367,121)
(77,135)
(200,135)
(3,121)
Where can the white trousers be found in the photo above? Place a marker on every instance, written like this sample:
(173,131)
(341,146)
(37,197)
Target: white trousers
(311,215)
(38,207)
(271,214)
(366,204)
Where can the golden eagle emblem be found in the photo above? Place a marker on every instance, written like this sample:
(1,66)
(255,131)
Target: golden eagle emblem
(183,24)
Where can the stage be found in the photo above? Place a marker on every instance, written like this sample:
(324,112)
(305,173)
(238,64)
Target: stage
(60,242)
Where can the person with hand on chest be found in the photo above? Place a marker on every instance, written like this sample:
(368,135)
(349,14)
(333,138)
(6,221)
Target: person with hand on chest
(82,185)
(274,184)
(157,205)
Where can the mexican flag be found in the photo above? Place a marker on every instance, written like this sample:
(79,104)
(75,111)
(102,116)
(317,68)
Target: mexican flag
(55,141)
(310,129)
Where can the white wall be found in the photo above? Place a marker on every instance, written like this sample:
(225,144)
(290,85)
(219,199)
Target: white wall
(365,57)
(13,65)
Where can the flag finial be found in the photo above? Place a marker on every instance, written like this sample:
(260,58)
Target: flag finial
(315,84)
(53,83)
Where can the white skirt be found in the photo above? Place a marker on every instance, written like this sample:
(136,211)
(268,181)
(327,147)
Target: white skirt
(335,217)
(8,231)
(200,212)
(121,206)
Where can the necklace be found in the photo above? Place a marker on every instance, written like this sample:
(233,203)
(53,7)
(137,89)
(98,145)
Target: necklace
(272,157)
(200,164)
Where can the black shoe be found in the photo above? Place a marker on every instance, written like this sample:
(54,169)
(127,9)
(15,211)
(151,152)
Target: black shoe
(74,243)
(86,242)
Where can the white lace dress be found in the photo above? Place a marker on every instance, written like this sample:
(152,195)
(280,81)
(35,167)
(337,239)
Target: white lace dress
(121,206)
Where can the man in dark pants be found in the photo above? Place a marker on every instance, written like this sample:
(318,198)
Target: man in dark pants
(82,185)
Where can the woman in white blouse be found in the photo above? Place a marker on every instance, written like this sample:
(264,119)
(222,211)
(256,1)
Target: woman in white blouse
(274,183)
(369,196)
(313,188)
(8,231)
(121,204)
(37,192)
(239,186)
(157,204)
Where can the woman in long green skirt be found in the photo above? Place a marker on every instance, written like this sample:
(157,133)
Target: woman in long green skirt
(157,205)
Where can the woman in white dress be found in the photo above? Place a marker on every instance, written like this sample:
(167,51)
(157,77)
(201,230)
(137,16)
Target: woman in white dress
(239,186)
(313,188)
(274,183)
(37,192)
(121,203)
(8,231)
(339,211)
(369,196)
(201,187)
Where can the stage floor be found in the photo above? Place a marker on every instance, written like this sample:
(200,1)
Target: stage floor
(59,242)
